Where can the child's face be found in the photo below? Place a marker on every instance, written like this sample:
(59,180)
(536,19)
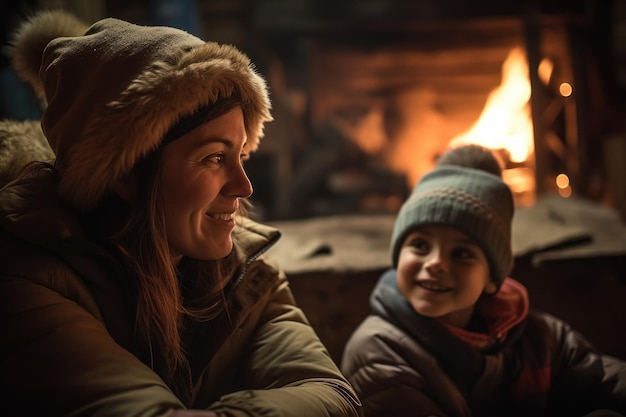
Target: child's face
(442,273)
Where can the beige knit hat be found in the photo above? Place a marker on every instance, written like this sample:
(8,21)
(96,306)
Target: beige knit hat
(113,90)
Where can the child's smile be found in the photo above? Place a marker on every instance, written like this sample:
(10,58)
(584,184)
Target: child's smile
(432,286)
(443,272)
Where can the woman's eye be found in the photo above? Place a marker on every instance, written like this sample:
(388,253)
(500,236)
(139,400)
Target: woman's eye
(217,158)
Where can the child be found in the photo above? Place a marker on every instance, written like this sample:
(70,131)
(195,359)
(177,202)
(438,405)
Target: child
(450,334)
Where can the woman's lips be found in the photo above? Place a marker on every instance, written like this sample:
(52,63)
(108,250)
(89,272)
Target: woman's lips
(226,219)
(222,216)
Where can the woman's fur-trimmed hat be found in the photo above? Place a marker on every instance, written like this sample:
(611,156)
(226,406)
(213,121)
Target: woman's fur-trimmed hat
(113,90)
(464,191)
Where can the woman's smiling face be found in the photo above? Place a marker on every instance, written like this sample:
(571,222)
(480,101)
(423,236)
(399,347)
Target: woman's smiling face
(203,180)
(442,273)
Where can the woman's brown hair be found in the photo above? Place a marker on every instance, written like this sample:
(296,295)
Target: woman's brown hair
(138,234)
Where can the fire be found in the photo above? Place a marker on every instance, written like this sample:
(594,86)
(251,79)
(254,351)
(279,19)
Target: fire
(505,122)
(422,131)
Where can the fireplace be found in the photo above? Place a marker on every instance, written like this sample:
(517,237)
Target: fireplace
(384,98)
(407,101)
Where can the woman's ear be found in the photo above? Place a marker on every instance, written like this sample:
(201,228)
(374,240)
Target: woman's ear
(491,287)
(126,187)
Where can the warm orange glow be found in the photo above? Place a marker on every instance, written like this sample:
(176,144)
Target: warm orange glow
(519,179)
(563,185)
(562,181)
(565,192)
(565,89)
(505,122)
(545,70)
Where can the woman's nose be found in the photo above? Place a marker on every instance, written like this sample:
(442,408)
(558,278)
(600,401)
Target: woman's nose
(239,184)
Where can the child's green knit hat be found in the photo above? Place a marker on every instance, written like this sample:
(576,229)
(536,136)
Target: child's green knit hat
(468,197)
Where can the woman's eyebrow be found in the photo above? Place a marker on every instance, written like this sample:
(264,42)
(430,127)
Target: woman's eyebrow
(210,140)
(227,142)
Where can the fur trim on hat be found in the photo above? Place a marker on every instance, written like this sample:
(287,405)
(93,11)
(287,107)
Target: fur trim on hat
(26,45)
(115,92)
(21,143)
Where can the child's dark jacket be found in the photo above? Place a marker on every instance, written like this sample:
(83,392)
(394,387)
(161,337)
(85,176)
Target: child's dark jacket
(405,364)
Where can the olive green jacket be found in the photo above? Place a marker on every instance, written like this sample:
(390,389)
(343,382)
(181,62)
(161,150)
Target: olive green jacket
(66,325)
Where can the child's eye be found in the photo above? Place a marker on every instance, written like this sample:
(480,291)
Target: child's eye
(463,253)
(419,245)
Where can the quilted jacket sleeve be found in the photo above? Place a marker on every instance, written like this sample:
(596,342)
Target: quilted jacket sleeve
(379,360)
(585,379)
(287,370)
(57,359)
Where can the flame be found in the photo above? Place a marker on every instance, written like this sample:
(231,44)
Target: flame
(505,122)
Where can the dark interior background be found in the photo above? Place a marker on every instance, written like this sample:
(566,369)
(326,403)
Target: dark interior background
(306,168)
(304,163)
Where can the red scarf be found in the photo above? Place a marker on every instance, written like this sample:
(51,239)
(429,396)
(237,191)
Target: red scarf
(501,312)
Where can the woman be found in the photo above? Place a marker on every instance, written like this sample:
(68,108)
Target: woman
(131,281)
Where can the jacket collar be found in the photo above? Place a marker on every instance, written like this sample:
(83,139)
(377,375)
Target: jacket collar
(460,361)
(501,313)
